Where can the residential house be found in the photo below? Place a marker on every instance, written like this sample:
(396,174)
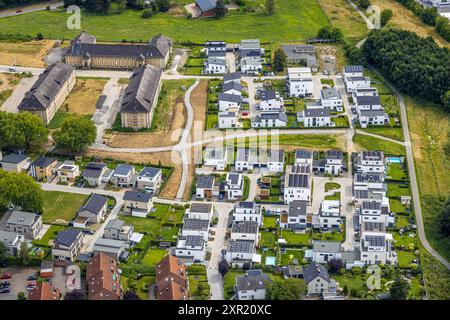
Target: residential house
(370,162)
(93,173)
(228,120)
(270,101)
(366,102)
(249,44)
(334,162)
(207,7)
(353,71)
(318,280)
(12,241)
(95,208)
(247,211)
(149,180)
(118,230)
(215,157)
(42,168)
(229,102)
(245,230)
(67,172)
(246,158)
(303,156)
(300,82)
(376,246)
(46,269)
(200,210)
(212,46)
(191,247)
(111,247)
(275,161)
(359,82)
(232,87)
(373,118)
(232,77)
(215,65)
(234,186)
(295,217)
(270,120)
(49,91)
(195,227)
(330,98)
(123,175)
(103,278)
(297,186)
(364,92)
(27,224)
(303,54)
(324,251)
(44,291)
(15,163)
(330,214)
(67,245)
(252,285)
(171,279)
(204,187)
(125,56)
(141,97)
(136,203)
(240,252)
(315,118)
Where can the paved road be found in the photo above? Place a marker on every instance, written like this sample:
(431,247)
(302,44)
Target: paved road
(31,8)
(11,104)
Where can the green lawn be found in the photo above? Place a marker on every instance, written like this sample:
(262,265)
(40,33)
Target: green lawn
(295,238)
(194,282)
(270,221)
(51,234)
(395,133)
(289,256)
(332,186)
(4,95)
(396,206)
(293,20)
(61,207)
(268,239)
(314,141)
(396,171)
(212,121)
(228,283)
(397,190)
(334,196)
(405,258)
(153,256)
(372,143)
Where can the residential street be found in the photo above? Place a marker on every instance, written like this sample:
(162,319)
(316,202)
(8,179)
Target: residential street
(30,8)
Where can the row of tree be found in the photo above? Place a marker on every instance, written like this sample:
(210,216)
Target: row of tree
(417,66)
(104,6)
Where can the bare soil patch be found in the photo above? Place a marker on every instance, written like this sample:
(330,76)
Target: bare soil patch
(29,54)
(84,96)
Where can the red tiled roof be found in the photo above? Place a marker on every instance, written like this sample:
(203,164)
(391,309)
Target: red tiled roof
(44,291)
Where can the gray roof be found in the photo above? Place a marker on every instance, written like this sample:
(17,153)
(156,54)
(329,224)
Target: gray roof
(300,168)
(313,271)
(205,182)
(276,155)
(371,205)
(252,282)
(330,93)
(233,177)
(297,208)
(299,51)
(368,100)
(47,87)
(84,37)
(67,237)
(245,204)
(358,78)
(215,44)
(195,224)
(43,162)
(267,95)
(348,69)
(217,54)
(268,116)
(326,246)
(241,246)
(231,85)
(334,154)
(149,172)
(115,224)
(232,76)
(14,158)
(137,196)
(369,177)
(249,227)
(142,90)
(7,237)
(108,245)
(230,97)
(373,113)
(194,241)
(200,207)
(303,154)
(297,180)
(324,112)
(93,169)
(377,241)
(23,218)
(218,61)
(95,203)
(373,155)
(374,226)
(123,169)
(206,5)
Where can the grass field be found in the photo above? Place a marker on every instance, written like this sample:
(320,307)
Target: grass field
(293,141)
(28,54)
(372,143)
(395,133)
(61,207)
(51,234)
(84,96)
(293,20)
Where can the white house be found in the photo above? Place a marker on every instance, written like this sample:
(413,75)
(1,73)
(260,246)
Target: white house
(376,245)
(215,157)
(15,162)
(303,156)
(353,83)
(353,71)
(204,187)
(149,179)
(232,77)
(228,120)
(232,87)
(192,247)
(229,102)
(372,118)
(195,227)
(275,161)
(300,82)
(318,281)
(330,214)
(122,176)
(297,186)
(245,230)
(247,211)
(370,162)
(270,120)
(93,173)
(364,92)
(251,65)
(367,102)
(215,65)
(295,217)
(246,158)
(234,186)
(331,99)
(270,101)
(239,252)
(211,46)
(252,285)
(315,118)
(12,241)
(200,210)
(334,162)
(67,172)
(324,251)
(27,224)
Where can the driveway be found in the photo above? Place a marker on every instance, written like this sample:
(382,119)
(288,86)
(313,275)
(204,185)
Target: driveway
(231,61)
(11,104)
(253,185)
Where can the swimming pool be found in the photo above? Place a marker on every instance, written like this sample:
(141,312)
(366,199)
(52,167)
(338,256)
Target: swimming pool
(394,160)
(270,261)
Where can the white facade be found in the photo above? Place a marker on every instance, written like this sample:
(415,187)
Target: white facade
(215,157)
(300,82)
(228,120)
(315,118)
(330,214)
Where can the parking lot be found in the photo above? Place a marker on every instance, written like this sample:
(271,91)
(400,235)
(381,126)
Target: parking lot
(18,281)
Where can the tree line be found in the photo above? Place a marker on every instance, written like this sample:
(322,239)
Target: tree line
(417,66)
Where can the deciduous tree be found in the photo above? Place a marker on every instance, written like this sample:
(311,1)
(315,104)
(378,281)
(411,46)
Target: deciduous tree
(76,134)
(279,60)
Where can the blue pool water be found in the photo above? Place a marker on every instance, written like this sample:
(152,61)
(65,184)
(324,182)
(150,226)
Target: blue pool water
(270,261)
(394,160)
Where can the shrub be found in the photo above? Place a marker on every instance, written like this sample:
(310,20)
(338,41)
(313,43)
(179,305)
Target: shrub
(147,13)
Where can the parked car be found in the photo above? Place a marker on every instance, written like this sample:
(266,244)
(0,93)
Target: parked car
(12,69)
(30,287)
(88,231)
(6,276)
(19,11)
(5,284)
(32,277)
(5,290)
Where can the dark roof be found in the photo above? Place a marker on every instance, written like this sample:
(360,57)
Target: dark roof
(250,227)
(267,95)
(369,155)
(245,204)
(43,162)
(137,196)
(233,177)
(84,37)
(206,5)
(372,113)
(334,154)
(241,246)
(348,69)
(194,240)
(301,168)
(218,61)
(231,85)
(67,237)
(297,180)
(297,208)
(369,177)
(93,169)
(142,90)
(230,97)
(95,203)
(205,181)
(376,241)
(276,155)
(232,76)
(252,282)
(215,44)
(161,43)
(14,158)
(368,100)
(317,112)
(371,205)
(123,169)
(47,87)
(267,116)
(195,224)
(200,207)
(303,154)
(313,271)
(216,54)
